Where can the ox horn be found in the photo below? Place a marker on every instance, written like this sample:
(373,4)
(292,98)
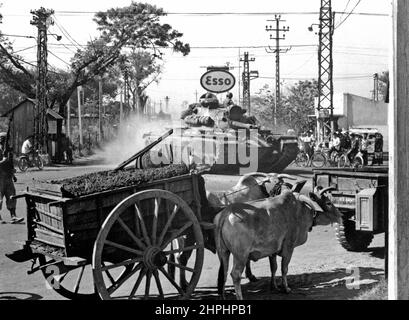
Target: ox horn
(321,192)
(310,203)
(286,176)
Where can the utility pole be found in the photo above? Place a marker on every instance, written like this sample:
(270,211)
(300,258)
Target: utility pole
(325,123)
(277,51)
(121,108)
(376,87)
(41,19)
(100,109)
(68,129)
(167,104)
(79,89)
(239,79)
(196,93)
(247,76)
(126,96)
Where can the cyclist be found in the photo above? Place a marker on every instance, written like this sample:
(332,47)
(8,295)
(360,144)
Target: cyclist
(354,149)
(308,143)
(335,144)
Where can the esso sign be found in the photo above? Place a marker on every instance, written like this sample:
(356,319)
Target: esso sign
(218,81)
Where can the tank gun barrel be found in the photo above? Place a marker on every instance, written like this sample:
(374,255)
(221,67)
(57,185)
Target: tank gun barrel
(243,125)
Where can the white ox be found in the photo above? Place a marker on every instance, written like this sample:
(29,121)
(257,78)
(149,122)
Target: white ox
(267,228)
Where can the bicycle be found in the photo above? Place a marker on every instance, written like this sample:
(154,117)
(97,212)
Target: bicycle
(320,159)
(29,161)
(302,159)
(357,162)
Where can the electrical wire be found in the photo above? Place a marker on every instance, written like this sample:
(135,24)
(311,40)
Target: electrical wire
(349,14)
(206,14)
(54,55)
(342,14)
(66,33)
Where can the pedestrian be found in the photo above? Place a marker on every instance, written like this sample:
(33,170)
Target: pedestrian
(7,189)
(378,149)
(364,148)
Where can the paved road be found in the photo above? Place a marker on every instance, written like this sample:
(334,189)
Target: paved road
(320,269)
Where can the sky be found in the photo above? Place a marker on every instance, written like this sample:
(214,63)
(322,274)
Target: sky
(361,42)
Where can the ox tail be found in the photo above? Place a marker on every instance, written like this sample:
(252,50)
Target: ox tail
(222,250)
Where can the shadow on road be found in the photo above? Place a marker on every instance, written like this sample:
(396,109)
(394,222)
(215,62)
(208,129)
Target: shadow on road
(19,296)
(333,285)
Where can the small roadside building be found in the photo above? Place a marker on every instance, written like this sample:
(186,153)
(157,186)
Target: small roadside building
(22,126)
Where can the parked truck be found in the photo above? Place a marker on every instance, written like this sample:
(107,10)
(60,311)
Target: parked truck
(362,197)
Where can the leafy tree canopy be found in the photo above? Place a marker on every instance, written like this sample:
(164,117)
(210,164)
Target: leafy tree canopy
(134,26)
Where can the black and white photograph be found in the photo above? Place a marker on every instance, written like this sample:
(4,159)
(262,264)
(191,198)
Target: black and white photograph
(211,151)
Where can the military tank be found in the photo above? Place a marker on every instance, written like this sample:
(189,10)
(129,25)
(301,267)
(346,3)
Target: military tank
(222,139)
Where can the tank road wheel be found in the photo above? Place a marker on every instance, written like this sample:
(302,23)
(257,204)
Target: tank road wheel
(350,238)
(138,232)
(72,283)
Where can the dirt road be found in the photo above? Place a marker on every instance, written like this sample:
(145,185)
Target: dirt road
(320,269)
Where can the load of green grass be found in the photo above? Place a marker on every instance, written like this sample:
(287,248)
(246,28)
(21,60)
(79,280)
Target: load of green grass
(110,180)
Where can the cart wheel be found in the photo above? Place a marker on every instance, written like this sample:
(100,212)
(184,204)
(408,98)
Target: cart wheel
(139,232)
(73,283)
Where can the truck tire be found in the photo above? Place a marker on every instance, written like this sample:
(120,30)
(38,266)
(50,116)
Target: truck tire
(352,239)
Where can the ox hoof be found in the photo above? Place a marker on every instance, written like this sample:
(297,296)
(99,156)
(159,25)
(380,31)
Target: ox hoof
(252,278)
(286,290)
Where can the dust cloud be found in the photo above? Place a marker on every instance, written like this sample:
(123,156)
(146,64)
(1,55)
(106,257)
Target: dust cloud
(129,139)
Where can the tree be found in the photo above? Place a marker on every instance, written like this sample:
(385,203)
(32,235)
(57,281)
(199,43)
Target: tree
(136,25)
(293,110)
(384,85)
(298,104)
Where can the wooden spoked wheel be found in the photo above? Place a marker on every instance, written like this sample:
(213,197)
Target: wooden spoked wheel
(75,283)
(138,232)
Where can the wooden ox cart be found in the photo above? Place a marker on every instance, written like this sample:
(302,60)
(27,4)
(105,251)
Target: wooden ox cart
(112,244)
(123,236)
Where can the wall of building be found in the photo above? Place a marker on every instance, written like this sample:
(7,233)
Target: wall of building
(22,125)
(361,112)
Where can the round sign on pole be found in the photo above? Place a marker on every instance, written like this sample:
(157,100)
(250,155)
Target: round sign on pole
(217,81)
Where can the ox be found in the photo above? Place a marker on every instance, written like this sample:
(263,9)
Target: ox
(249,187)
(267,228)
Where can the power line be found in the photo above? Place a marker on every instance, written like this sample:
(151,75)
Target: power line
(205,14)
(67,34)
(28,48)
(345,9)
(54,55)
(349,14)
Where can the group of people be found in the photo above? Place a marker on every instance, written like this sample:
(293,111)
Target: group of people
(352,144)
(346,142)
